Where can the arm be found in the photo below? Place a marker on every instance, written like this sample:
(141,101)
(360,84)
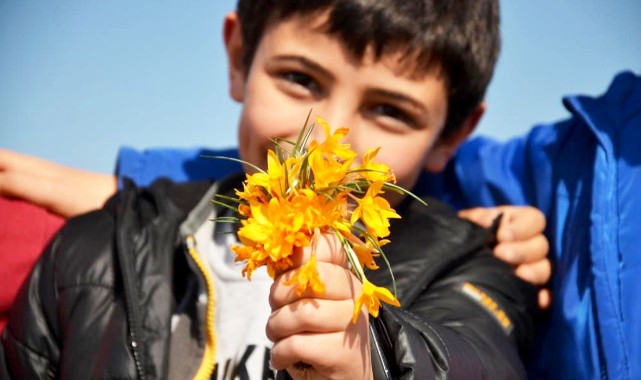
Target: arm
(60,189)
(67,192)
(177,164)
(484,173)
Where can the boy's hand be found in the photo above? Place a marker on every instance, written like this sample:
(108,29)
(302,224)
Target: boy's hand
(520,242)
(59,189)
(313,334)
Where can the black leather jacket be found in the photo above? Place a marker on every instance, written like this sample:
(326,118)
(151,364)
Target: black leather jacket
(99,302)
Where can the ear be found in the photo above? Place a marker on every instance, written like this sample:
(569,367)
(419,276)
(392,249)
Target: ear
(233,39)
(445,148)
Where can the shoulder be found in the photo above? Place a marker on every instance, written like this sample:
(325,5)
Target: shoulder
(85,242)
(425,243)
(437,226)
(179,164)
(84,248)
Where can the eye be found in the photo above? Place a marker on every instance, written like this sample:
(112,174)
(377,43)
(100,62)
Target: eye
(393,114)
(301,81)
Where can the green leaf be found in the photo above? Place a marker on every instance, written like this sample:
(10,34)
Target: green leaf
(400,190)
(235,160)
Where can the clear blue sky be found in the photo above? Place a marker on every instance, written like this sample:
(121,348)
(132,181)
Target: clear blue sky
(79,78)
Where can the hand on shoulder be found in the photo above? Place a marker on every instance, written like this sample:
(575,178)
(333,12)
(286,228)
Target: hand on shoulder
(521,242)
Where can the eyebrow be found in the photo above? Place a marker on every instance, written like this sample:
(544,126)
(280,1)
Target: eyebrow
(398,97)
(310,65)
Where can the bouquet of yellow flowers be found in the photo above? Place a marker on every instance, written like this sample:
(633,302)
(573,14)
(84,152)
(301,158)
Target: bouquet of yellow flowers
(311,190)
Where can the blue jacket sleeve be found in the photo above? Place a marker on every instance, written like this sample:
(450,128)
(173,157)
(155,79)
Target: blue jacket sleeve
(179,165)
(483,172)
(487,172)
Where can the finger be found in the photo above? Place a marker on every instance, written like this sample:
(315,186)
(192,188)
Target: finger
(545,298)
(483,216)
(326,352)
(522,252)
(520,223)
(303,348)
(309,315)
(325,246)
(340,284)
(537,273)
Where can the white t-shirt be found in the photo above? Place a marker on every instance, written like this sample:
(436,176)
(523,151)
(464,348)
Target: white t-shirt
(242,307)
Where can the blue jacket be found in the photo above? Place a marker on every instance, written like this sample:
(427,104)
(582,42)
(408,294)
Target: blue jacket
(584,173)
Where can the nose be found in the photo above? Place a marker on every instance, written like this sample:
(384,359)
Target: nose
(337,115)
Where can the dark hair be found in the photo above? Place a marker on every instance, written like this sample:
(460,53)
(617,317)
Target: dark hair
(460,36)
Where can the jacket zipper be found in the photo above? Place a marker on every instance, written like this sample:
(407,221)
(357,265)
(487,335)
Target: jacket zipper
(208,362)
(130,307)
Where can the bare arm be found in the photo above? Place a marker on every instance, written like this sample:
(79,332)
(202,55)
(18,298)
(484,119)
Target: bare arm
(62,190)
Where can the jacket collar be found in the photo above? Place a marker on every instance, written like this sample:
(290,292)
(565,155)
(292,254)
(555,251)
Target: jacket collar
(607,115)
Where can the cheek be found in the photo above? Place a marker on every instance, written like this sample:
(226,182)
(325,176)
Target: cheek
(253,139)
(263,119)
(405,163)
(404,154)
(244,140)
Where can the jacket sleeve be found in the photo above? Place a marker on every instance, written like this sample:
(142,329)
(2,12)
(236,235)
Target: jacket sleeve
(520,171)
(483,172)
(29,348)
(475,321)
(178,164)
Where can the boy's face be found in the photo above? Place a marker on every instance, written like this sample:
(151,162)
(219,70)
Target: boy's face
(297,68)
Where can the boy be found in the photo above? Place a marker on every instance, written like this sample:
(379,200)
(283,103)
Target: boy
(540,165)
(134,299)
